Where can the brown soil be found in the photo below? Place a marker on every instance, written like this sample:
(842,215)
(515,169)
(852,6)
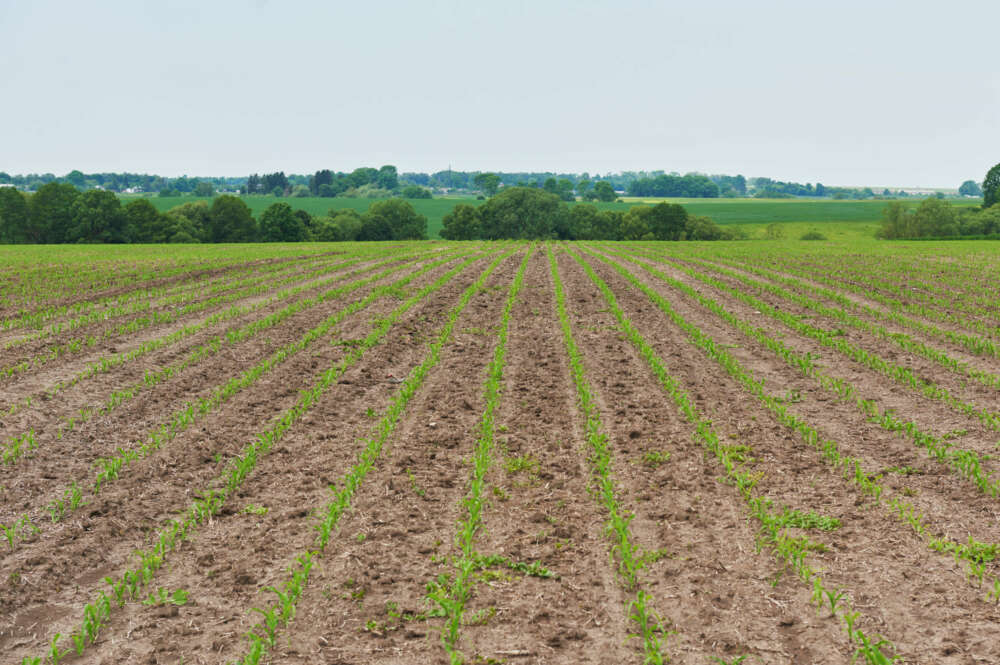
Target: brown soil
(718,596)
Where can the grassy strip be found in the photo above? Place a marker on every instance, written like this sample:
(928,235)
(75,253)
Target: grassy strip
(773,526)
(180,420)
(276,616)
(975,555)
(974,343)
(133,581)
(452,593)
(617,528)
(12,450)
(832,340)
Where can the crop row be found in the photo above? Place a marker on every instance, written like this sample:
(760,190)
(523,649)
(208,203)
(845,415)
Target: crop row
(831,339)
(773,525)
(211,347)
(130,584)
(967,463)
(232,281)
(279,615)
(902,301)
(624,549)
(109,468)
(974,343)
(975,555)
(155,318)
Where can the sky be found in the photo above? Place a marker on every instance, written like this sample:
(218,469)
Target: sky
(881,93)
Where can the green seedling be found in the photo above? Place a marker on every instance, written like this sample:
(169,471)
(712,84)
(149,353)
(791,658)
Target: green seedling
(655,458)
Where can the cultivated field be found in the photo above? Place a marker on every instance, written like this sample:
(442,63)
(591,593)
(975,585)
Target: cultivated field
(500,453)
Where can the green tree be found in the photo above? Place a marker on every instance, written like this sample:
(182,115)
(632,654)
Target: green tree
(97,218)
(415,192)
(521,212)
(666,221)
(403,222)
(230,220)
(584,222)
(608,225)
(489,183)
(462,223)
(603,191)
(279,223)
(76,178)
(144,223)
(13,216)
(348,223)
(388,177)
(583,187)
(51,210)
(991,187)
(188,222)
(970,188)
(934,218)
(634,226)
(203,188)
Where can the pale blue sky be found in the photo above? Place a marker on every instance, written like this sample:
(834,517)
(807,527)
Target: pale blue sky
(886,93)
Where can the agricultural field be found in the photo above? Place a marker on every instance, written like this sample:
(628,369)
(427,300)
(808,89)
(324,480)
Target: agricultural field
(697,453)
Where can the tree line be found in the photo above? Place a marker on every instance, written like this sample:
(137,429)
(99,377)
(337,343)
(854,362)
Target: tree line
(936,218)
(386,181)
(527,213)
(60,213)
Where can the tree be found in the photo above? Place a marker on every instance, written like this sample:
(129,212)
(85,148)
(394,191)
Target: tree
(970,188)
(279,223)
(143,222)
(522,212)
(583,187)
(415,192)
(489,183)
(97,217)
(204,189)
(76,178)
(666,221)
(462,223)
(320,178)
(603,191)
(400,218)
(51,210)
(230,220)
(188,222)
(991,187)
(13,216)
(388,177)
(634,227)
(583,222)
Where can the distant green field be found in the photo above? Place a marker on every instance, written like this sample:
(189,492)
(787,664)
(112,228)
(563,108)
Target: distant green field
(855,218)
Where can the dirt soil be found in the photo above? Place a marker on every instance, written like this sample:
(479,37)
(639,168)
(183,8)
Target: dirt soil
(717,592)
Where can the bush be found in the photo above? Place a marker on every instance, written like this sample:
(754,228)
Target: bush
(812,235)
(415,192)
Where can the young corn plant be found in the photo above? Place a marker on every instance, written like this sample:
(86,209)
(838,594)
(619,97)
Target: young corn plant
(212,501)
(623,548)
(371,452)
(791,550)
